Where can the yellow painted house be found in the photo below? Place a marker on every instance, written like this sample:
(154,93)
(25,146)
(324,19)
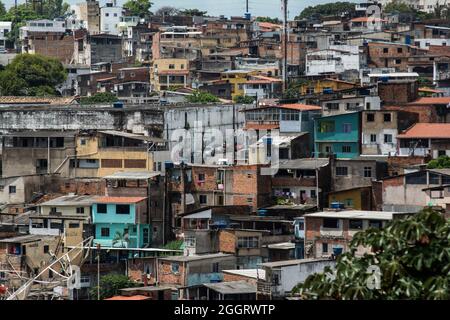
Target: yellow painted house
(107,152)
(359,198)
(237,79)
(324,85)
(166,74)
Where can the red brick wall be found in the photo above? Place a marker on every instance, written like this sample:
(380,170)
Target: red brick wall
(166,276)
(234,277)
(227,241)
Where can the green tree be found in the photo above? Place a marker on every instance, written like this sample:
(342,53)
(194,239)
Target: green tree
(193,12)
(202,97)
(269,19)
(2,10)
(140,8)
(328,9)
(32,75)
(110,285)
(52,9)
(120,238)
(413,257)
(398,7)
(244,99)
(174,245)
(443,162)
(101,97)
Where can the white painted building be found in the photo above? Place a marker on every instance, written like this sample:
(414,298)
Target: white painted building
(43,25)
(426,43)
(420,5)
(282,276)
(336,59)
(110,15)
(5,28)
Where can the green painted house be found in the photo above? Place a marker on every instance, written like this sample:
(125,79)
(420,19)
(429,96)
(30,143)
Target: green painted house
(338,135)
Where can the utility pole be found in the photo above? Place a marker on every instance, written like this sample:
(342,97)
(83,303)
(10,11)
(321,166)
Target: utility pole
(246,6)
(284,4)
(98,270)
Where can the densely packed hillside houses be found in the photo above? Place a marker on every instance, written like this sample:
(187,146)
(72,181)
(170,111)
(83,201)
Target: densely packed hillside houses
(171,154)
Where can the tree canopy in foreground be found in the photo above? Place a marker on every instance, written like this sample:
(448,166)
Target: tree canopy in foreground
(32,75)
(413,257)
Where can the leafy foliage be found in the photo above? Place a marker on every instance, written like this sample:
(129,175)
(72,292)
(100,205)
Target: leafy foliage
(269,19)
(2,9)
(202,97)
(101,97)
(121,239)
(244,99)
(139,8)
(32,75)
(328,9)
(442,162)
(174,245)
(413,255)
(193,13)
(398,7)
(110,285)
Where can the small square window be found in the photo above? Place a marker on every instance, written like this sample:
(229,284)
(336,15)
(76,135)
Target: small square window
(388,138)
(175,267)
(387,117)
(46,249)
(201,177)
(203,198)
(367,172)
(341,171)
(101,208)
(105,232)
(370,117)
(12,189)
(373,138)
(80,210)
(346,149)
(385,50)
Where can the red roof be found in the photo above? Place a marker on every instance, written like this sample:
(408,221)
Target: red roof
(120,199)
(366,19)
(168,72)
(427,130)
(424,89)
(136,297)
(257,126)
(300,107)
(431,100)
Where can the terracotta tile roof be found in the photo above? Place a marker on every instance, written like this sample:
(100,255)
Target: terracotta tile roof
(267,78)
(261,81)
(431,100)
(169,72)
(424,89)
(119,199)
(136,297)
(427,130)
(366,19)
(268,25)
(257,126)
(300,106)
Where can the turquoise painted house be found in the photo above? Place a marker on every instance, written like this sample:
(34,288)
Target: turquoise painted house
(339,135)
(114,217)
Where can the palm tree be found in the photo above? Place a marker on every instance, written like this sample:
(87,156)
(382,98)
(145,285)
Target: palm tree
(122,238)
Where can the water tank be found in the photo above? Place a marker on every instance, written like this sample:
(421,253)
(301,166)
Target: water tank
(262,212)
(337,205)
(118,104)
(168,165)
(337,251)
